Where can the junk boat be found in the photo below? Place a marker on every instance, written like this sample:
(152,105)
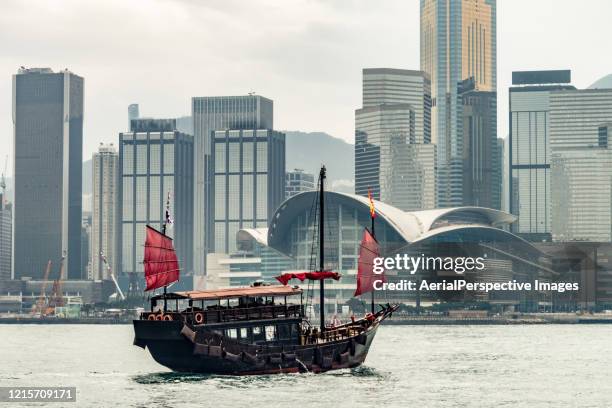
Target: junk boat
(260,329)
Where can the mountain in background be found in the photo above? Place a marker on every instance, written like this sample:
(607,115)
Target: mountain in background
(307,151)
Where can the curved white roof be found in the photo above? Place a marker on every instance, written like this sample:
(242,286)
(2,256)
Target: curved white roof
(602,83)
(258,234)
(411,226)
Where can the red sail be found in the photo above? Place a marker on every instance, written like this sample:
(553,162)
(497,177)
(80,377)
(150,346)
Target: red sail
(365,270)
(286,277)
(161,266)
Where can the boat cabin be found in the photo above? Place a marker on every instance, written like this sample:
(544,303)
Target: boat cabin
(255,315)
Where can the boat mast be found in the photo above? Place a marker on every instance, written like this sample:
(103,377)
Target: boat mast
(321,245)
(372,217)
(166,220)
(373,236)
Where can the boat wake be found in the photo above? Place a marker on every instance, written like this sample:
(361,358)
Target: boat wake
(169,377)
(241,381)
(361,371)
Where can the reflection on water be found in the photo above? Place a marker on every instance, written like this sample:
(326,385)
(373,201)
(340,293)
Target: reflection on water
(408,366)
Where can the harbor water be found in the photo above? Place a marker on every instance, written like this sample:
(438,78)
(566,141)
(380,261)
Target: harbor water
(408,366)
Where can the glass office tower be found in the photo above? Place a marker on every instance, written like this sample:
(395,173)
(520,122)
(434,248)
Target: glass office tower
(209,114)
(393,155)
(153,161)
(396,171)
(248,183)
(481,178)
(458,41)
(581,165)
(388,86)
(529,185)
(48,135)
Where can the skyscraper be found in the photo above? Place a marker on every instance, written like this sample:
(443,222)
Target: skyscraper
(581,164)
(529,150)
(393,157)
(6,233)
(297,181)
(48,135)
(458,41)
(86,258)
(104,235)
(481,181)
(155,160)
(576,116)
(581,194)
(210,114)
(6,238)
(248,184)
(389,86)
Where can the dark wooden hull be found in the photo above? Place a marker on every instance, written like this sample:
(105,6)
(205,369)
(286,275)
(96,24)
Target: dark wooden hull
(174,345)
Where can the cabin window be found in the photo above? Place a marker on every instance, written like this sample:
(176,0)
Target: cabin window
(231,333)
(243,333)
(284,332)
(270,333)
(258,334)
(295,331)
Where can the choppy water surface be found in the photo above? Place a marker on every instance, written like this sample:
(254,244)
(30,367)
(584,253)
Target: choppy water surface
(408,366)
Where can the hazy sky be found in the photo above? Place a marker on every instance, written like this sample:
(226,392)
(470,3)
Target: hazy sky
(306,55)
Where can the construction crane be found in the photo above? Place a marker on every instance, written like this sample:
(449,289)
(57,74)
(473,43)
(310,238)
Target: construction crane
(110,273)
(56,298)
(38,308)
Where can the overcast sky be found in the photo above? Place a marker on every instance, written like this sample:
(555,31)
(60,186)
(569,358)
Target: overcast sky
(306,55)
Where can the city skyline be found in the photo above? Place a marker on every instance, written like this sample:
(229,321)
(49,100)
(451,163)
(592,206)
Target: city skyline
(293,82)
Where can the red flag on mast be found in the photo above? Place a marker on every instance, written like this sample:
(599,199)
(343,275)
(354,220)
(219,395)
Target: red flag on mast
(161,266)
(372,209)
(368,250)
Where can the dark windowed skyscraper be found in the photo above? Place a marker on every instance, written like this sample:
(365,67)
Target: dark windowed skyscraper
(153,161)
(481,178)
(48,131)
(210,114)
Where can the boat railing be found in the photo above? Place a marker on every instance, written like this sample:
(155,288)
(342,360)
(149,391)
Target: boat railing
(331,334)
(216,314)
